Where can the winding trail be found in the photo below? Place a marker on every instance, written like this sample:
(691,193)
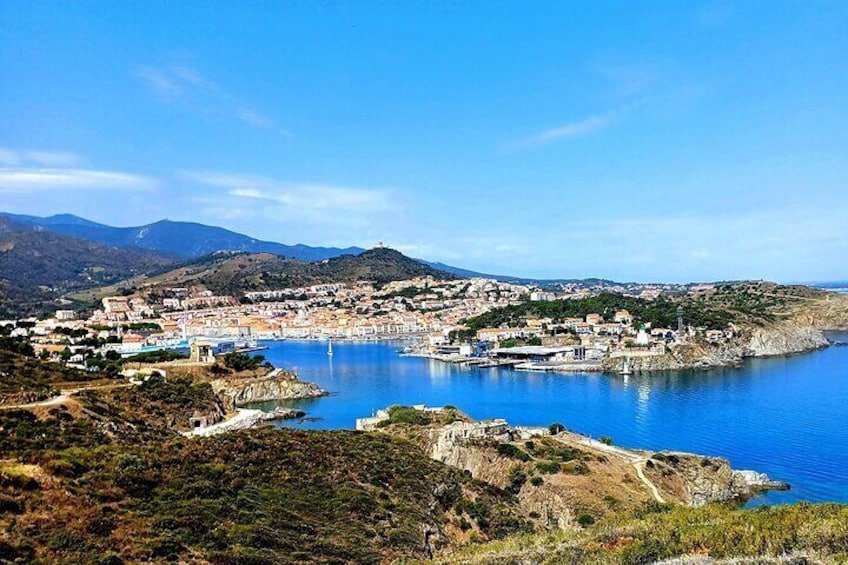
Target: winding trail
(636,460)
(64,396)
(640,467)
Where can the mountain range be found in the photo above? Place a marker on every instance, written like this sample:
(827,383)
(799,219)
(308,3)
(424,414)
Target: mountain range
(238,273)
(37,266)
(177,239)
(45,259)
(188,240)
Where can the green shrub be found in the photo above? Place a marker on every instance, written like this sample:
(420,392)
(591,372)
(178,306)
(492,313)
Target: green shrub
(556,428)
(643,552)
(408,415)
(576,467)
(243,361)
(537,481)
(585,519)
(517,478)
(605,440)
(509,450)
(612,501)
(654,507)
(548,467)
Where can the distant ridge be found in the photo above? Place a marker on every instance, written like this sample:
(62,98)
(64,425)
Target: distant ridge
(38,265)
(192,240)
(239,273)
(465,273)
(179,239)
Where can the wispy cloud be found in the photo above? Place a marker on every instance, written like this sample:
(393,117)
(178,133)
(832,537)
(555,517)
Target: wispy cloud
(160,82)
(12,157)
(303,197)
(27,180)
(258,120)
(572,130)
(180,83)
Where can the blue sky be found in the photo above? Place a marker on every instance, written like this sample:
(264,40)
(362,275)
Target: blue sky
(631,140)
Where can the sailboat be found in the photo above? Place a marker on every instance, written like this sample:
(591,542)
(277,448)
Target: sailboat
(330,347)
(625,370)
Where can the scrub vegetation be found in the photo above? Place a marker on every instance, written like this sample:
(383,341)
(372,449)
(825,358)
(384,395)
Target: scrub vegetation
(658,532)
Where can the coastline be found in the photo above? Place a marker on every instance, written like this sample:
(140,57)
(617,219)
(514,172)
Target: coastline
(244,419)
(491,450)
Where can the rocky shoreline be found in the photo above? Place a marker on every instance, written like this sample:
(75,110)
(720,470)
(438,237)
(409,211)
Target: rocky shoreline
(245,419)
(779,340)
(558,476)
(278,384)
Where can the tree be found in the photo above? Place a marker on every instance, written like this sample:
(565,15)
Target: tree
(243,362)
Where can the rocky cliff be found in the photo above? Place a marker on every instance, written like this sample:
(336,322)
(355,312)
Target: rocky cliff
(557,479)
(785,338)
(788,337)
(698,480)
(276,385)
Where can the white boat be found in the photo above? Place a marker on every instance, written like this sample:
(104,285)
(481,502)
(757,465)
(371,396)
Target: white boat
(625,370)
(330,347)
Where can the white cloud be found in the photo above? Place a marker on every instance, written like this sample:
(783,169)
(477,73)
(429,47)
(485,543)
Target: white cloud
(160,81)
(572,130)
(52,158)
(301,197)
(12,157)
(25,180)
(259,120)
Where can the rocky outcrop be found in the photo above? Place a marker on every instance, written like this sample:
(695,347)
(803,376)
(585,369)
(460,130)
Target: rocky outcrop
(711,479)
(683,356)
(785,338)
(467,446)
(276,385)
(204,418)
(491,450)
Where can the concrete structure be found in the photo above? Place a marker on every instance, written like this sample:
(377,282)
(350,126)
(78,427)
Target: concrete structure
(205,350)
(541,354)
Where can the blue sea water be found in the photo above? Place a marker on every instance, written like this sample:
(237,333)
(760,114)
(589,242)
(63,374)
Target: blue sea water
(787,417)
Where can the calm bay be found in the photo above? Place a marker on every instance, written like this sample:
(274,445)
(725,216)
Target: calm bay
(783,416)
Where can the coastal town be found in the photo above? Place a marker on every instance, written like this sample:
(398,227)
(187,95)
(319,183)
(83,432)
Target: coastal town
(428,312)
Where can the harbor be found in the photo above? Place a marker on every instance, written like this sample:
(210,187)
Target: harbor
(526,358)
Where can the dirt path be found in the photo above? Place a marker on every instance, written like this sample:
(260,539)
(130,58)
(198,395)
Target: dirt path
(640,467)
(636,460)
(49,402)
(61,398)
